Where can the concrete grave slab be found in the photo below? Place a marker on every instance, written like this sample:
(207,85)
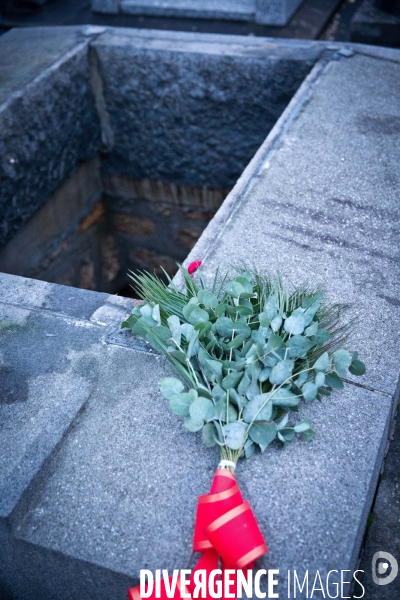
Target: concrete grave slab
(271,12)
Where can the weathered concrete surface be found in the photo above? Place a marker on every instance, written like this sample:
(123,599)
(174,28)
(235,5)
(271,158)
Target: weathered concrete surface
(48,120)
(271,12)
(242,10)
(193,109)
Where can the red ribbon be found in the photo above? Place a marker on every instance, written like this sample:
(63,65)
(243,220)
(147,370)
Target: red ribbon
(225,528)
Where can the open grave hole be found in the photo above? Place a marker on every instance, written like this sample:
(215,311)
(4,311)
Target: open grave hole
(151,138)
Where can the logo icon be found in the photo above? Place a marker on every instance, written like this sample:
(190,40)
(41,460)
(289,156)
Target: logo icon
(387,565)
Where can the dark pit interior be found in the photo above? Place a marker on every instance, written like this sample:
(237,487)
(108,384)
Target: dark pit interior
(158,138)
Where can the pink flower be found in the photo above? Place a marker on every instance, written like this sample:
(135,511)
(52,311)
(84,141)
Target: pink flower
(193,267)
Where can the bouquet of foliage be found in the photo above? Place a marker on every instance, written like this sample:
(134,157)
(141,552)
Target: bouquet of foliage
(248,351)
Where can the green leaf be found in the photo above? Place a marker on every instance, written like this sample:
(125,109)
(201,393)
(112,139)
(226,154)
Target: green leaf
(274,342)
(175,328)
(237,341)
(181,356)
(249,449)
(246,283)
(142,326)
(286,434)
(155,313)
(281,371)
(220,310)
(312,329)
(231,380)
(308,435)
(295,323)
(312,310)
(319,379)
(334,381)
(302,426)
(169,386)
(252,409)
(310,391)
(180,403)
(215,366)
(194,345)
(244,384)
(284,398)
(263,433)
(198,315)
(218,392)
(276,323)
(324,391)
(161,332)
(341,360)
(234,289)
(192,425)
(187,331)
(264,320)
(235,434)
(271,308)
(298,346)
(357,367)
(201,409)
(322,363)
(321,337)
(220,411)
(237,399)
(224,326)
(264,375)
(209,434)
(208,299)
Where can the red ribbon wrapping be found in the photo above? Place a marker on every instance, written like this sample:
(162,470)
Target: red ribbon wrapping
(225,527)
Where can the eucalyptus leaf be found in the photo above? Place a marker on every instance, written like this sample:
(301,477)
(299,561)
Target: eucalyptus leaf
(281,371)
(175,328)
(284,398)
(180,403)
(193,425)
(302,426)
(287,434)
(296,323)
(322,363)
(231,380)
(271,308)
(308,435)
(298,346)
(209,435)
(311,329)
(259,408)
(263,433)
(235,434)
(310,391)
(319,379)
(198,315)
(276,323)
(234,288)
(357,367)
(201,409)
(341,360)
(155,313)
(237,399)
(274,342)
(169,386)
(334,381)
